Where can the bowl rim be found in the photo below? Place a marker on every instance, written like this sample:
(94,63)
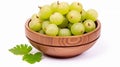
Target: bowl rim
(97,28)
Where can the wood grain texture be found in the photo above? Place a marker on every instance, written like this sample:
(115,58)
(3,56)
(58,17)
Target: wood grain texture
(62,52)
(59,46)
(62,40)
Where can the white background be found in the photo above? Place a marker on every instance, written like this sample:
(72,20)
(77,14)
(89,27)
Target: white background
(105,53)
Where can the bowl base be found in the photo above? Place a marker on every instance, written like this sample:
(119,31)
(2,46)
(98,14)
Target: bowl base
(62,52)
(61,57)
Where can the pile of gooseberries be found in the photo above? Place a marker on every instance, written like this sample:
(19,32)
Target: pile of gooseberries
(63,19)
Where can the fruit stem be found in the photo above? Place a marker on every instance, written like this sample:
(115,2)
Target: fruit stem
(88,24)
(37,16)
(78,4)
(58,2)
(40,7)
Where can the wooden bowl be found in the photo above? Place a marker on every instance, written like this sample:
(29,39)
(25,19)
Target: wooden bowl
(62,46)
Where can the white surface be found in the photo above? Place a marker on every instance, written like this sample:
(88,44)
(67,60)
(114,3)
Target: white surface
(105,53)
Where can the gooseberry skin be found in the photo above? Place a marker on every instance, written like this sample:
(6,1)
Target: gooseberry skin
(83,15)
(63,8)
(89,25)
(63,19)
(64,23)
(54,6)
(76,6)
(35,23)
(56,18)
(64,32)
(45,12)
(77,29)
(91,14)
(44,25)
(52,30)
(74,16)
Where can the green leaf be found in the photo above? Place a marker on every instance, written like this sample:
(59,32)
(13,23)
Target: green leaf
(21,49)
(32,58)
